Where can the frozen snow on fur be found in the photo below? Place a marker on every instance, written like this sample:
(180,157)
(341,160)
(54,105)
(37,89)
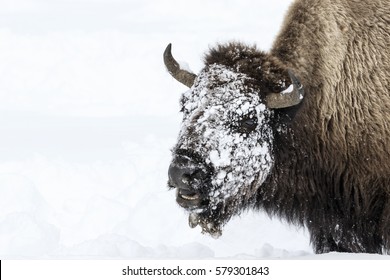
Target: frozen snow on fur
(214,109)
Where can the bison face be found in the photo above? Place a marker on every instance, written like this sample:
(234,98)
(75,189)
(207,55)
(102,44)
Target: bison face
(225,147)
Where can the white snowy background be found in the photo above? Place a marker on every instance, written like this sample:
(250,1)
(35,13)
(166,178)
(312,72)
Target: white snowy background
(88,115)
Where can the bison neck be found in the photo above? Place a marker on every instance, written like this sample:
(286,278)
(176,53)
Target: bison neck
(338,145)
(340,51)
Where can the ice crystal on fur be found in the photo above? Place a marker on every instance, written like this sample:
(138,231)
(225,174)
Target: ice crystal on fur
(214,109)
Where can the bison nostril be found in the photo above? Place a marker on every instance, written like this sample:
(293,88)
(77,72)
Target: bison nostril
(185,173)
(179,176)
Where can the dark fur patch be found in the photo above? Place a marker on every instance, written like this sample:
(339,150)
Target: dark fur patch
(269,74)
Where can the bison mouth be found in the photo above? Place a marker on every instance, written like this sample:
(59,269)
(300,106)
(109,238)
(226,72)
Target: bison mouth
(192,180)
(187,198)
(200,213)
(190,177)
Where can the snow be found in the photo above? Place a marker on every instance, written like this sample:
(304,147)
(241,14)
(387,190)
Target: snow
(185,66)
(222,158)
(88,115)
(288,90)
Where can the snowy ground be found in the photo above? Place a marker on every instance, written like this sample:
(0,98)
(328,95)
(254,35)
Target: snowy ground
(88,115)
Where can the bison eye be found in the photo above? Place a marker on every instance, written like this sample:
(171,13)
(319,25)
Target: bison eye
(248,124)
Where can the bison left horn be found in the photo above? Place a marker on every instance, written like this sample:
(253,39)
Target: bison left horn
(292,96)
(183,76)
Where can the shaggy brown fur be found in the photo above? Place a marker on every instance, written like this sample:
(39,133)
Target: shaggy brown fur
(332,170)
(341,51)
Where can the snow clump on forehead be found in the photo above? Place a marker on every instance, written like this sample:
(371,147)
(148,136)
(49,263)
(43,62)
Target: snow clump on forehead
(215,109)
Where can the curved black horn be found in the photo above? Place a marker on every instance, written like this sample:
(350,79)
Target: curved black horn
(183,76)
(287,98)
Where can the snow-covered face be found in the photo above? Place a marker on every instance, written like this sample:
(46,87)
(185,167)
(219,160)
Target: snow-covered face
(225,147)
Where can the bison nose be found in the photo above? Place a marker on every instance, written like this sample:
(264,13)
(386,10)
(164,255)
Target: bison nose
(184,173)
(187,177)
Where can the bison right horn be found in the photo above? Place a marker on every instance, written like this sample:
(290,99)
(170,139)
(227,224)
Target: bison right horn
(292,96)
(183,76)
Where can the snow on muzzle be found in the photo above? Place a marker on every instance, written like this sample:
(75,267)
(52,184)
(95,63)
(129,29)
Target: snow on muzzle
(188,176)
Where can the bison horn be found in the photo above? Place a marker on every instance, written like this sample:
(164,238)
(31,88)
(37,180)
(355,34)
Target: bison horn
(183,76)
(289,97)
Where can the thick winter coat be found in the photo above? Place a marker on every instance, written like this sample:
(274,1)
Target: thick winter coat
(301,131)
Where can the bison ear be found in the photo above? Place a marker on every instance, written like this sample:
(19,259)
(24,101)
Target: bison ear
(291,96)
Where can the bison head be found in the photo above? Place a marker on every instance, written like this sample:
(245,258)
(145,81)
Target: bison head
(225,149)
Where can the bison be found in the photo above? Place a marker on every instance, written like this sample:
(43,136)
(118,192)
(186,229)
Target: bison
(301,132)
